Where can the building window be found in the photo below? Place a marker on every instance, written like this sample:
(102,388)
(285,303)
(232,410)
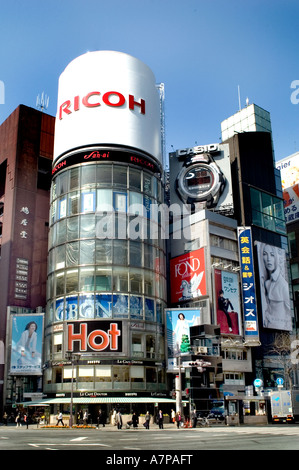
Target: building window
(292,244)
(267,211)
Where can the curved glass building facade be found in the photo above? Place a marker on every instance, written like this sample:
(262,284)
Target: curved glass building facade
(106,262)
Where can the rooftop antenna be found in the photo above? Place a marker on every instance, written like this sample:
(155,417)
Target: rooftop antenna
(239,97)
(42,102)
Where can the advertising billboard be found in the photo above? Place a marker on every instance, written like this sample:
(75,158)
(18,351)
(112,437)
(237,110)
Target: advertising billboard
(94,337)
(274,285)
(107,97)
(178,323)
(26,344)
(289,170)
(251,330)
(201,176)
(227,298)
(188,276)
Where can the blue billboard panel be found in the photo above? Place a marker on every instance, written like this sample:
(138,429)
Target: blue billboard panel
(251,331)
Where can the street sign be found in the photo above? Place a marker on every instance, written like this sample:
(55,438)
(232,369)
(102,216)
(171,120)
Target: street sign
(258,383)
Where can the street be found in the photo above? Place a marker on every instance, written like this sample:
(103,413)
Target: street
(110,439)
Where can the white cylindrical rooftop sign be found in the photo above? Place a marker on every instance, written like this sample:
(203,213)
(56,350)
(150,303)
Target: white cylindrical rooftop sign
(107,98)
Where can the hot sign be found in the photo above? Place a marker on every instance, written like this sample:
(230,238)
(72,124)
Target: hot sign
(94,336)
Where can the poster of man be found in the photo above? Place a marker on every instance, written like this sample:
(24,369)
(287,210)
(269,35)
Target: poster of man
(274,285)
(26,344)
(178,323)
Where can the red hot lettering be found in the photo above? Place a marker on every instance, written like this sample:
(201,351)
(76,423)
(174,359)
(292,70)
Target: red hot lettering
(96,340)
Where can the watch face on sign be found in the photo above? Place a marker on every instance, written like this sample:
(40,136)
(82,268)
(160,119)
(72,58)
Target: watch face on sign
(198,180)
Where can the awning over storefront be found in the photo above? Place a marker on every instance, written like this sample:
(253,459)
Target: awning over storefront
(98,400)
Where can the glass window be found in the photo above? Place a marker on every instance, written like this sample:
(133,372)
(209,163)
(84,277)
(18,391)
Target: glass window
(136,281)
(87,228)
(120,201)
(88,201)
(86,306)
(292,244)
(120,252)
(103,373)
(149,282)
(104,200)
(73,199)
(135,254)
(136,203)
(150,346)
(120,306)
(137,350)
(120,373)
(120,279)
(60,283)
(87,279)
(71,281)
(60,257)
(147,183)
(61,231)
(72,254)
(148,256)
(88,175)
(137,373)
(295,271)
(136,307)
(103,279)
(62,183)
(104,174)
(74,178)
(103,251)
(134,179)
(87,251)
(72,228)
(120,176)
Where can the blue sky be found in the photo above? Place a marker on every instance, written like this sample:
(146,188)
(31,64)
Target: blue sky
(202,50)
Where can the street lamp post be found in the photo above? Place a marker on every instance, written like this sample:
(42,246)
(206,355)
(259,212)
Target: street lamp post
(71,356)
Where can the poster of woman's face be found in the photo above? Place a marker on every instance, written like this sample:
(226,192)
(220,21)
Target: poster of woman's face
(274,286)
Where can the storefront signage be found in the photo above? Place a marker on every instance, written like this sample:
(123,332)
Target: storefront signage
(198,149)
(251,331)
(104,155)
(93,336)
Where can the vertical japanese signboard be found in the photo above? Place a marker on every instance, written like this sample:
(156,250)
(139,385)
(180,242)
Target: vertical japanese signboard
(251,332)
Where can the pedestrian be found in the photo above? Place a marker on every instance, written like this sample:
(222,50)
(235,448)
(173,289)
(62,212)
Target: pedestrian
(173,416)
(101,419)
(26,419)
(60,419)
(85,418)
(160,419)
(194,419)
(135,420)
(147,420)
(119,420)
(18,420)
(178,419)
(113,418)
(5,418)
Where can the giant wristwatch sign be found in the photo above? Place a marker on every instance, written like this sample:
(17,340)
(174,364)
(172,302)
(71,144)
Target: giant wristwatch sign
(202,174)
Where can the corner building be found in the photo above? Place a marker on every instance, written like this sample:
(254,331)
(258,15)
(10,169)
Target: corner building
(106,269)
